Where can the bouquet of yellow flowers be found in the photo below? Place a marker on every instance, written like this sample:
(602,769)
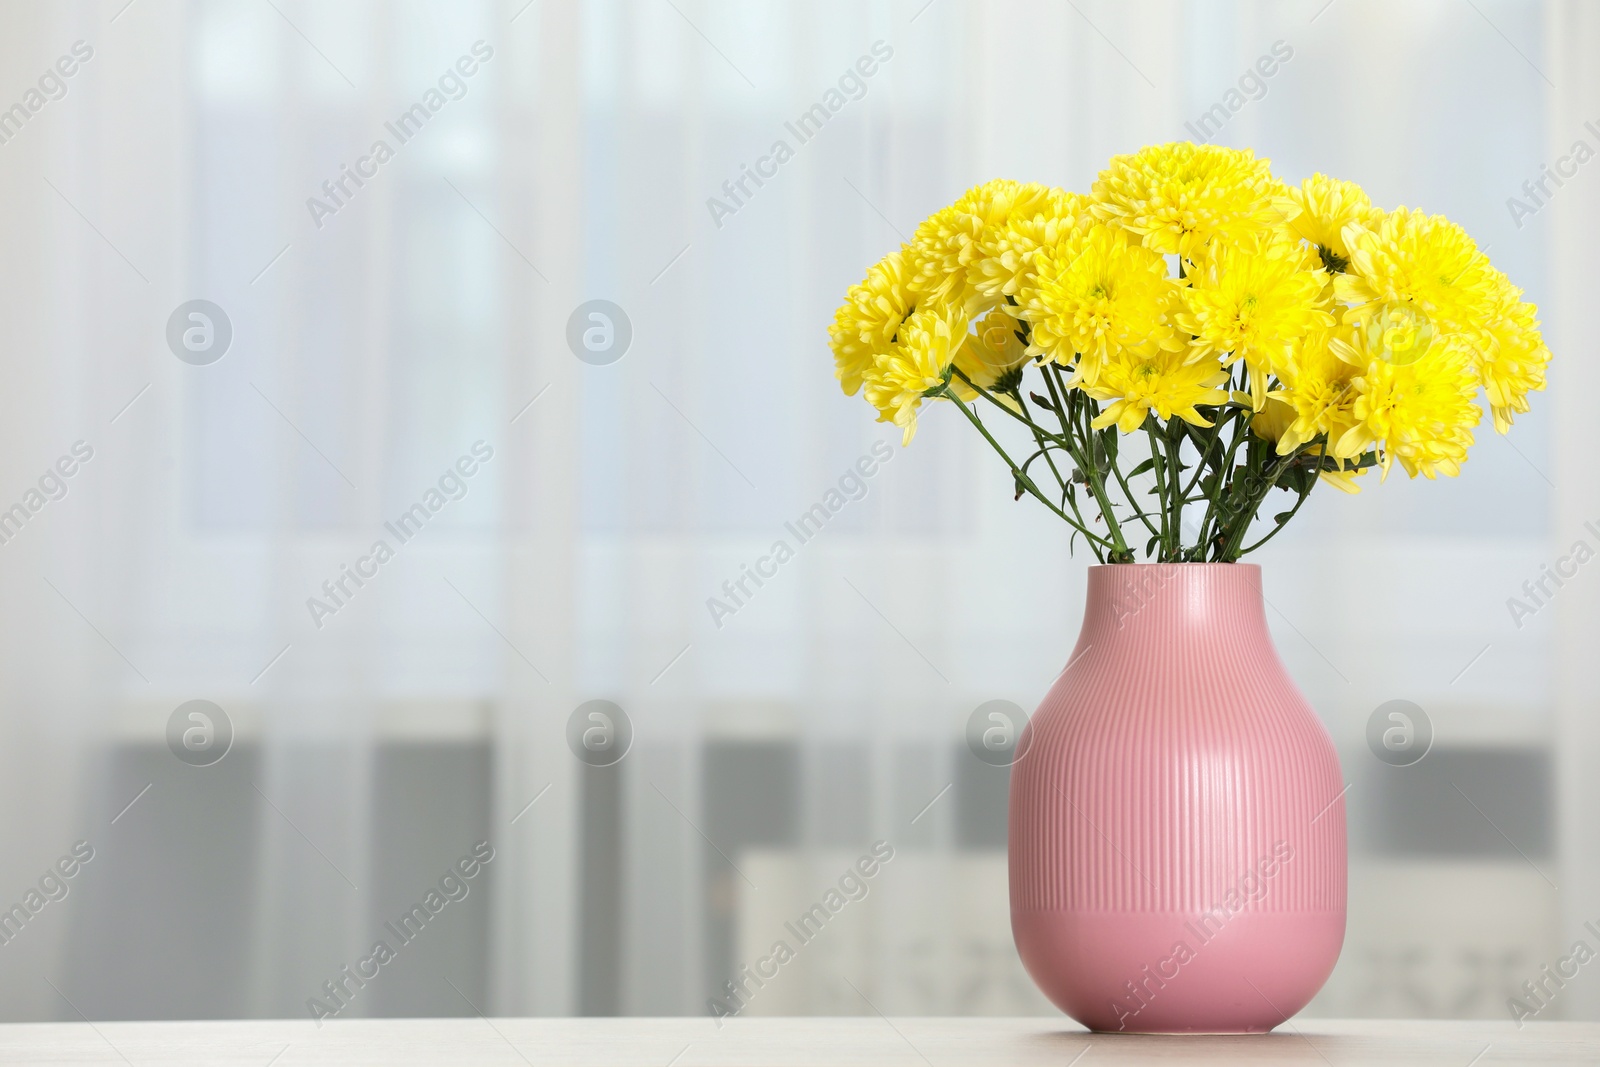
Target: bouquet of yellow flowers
(1246,335)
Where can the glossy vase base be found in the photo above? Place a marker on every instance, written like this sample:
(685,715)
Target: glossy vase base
(1239,974)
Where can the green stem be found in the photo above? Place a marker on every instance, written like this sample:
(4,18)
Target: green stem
(1066,402)
(990,398)
(1023,479)
(1213,456)
(1127,494)
(1286,520)
(1058,390)
(1210,527)
(1067,496)
(1239,486)
(1097,484)
(1175,469)
(1157,466)
(1273,470)
(1038,435)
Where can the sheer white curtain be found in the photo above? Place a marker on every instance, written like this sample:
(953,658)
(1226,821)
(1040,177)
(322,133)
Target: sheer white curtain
(1574,225)
(827,711)
(369,353)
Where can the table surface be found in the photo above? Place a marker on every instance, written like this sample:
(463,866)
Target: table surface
(875,1041)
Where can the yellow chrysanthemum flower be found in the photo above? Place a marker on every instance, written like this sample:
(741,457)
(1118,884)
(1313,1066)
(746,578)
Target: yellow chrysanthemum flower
(1327,206)
(1513,364)
(1344,480)
(1093,296)
(916,363)
(1361,336)
(1272,420)
(952,243)
(1253,301)
(992,353)
(1179,197)
(1425,262)
(865,325)
(1161,382)
(1419,413)
(1317,390)
(1003,253)
(1321,396)
(1396,333)
(942,247)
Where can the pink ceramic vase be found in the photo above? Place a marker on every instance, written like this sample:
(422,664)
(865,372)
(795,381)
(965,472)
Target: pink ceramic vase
(1177,815)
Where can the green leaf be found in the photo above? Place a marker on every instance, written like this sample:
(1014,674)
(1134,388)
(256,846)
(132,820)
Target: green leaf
(1282,517)
(1298,478)
(1043,401)
(1143,468)
(1200,441)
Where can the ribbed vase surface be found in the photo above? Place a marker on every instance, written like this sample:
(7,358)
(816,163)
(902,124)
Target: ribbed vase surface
(1177,820)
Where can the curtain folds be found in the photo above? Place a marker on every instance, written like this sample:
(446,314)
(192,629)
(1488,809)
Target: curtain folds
(382,330)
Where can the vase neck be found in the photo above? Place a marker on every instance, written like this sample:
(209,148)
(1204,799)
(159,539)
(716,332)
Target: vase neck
(1173,601)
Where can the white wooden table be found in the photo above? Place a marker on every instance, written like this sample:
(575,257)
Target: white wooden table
(901,1042)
